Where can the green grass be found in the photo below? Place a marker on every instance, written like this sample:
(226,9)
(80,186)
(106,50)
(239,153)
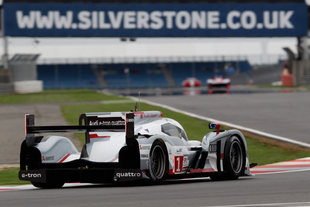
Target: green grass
(54,96)
(259,152)
(265,153)
(10,177)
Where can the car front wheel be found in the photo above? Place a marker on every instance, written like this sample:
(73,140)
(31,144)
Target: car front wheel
(234,158)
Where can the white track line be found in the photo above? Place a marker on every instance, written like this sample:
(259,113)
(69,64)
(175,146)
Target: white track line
(17,187)
(250,130)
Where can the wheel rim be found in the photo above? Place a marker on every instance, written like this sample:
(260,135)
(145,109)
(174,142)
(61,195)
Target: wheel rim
(158,162)
(236,157)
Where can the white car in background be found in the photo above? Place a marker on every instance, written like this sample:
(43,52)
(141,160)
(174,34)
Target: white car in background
(219,83)
(191,82)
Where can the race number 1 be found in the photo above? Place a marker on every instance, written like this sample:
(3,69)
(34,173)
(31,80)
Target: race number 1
(178,163)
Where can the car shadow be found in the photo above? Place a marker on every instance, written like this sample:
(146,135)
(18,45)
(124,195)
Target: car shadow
(145,183)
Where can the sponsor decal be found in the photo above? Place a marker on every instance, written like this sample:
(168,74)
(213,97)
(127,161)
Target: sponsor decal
(150,115)
(145,147)
(185,162)
(144,156)
(106,123)
(130,120)
(212,148)
(127,175)
(32,175)
(48,158)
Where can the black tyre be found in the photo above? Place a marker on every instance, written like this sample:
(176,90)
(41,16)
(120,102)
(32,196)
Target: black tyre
(48,185)
(158,162)
(234,158)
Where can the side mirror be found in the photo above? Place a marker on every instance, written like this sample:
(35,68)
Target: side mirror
(212,126)
(215,126)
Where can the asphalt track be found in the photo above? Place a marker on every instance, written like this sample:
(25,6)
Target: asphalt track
(12,126)
(260,189)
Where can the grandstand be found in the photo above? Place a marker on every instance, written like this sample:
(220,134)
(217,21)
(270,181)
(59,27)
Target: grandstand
(132,75)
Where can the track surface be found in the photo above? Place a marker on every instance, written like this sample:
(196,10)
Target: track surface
(282,114)
(12,126)
(275,188)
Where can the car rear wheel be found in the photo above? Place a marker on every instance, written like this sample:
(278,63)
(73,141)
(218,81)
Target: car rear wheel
(158,162)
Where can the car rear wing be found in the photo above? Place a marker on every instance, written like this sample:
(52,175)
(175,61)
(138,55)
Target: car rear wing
(87,123)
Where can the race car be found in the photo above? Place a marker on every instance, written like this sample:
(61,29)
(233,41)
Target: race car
(129,146)
(191,82)
(218,83)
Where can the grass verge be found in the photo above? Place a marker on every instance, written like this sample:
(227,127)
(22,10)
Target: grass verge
(57,96)
(10,177)
(279,87)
